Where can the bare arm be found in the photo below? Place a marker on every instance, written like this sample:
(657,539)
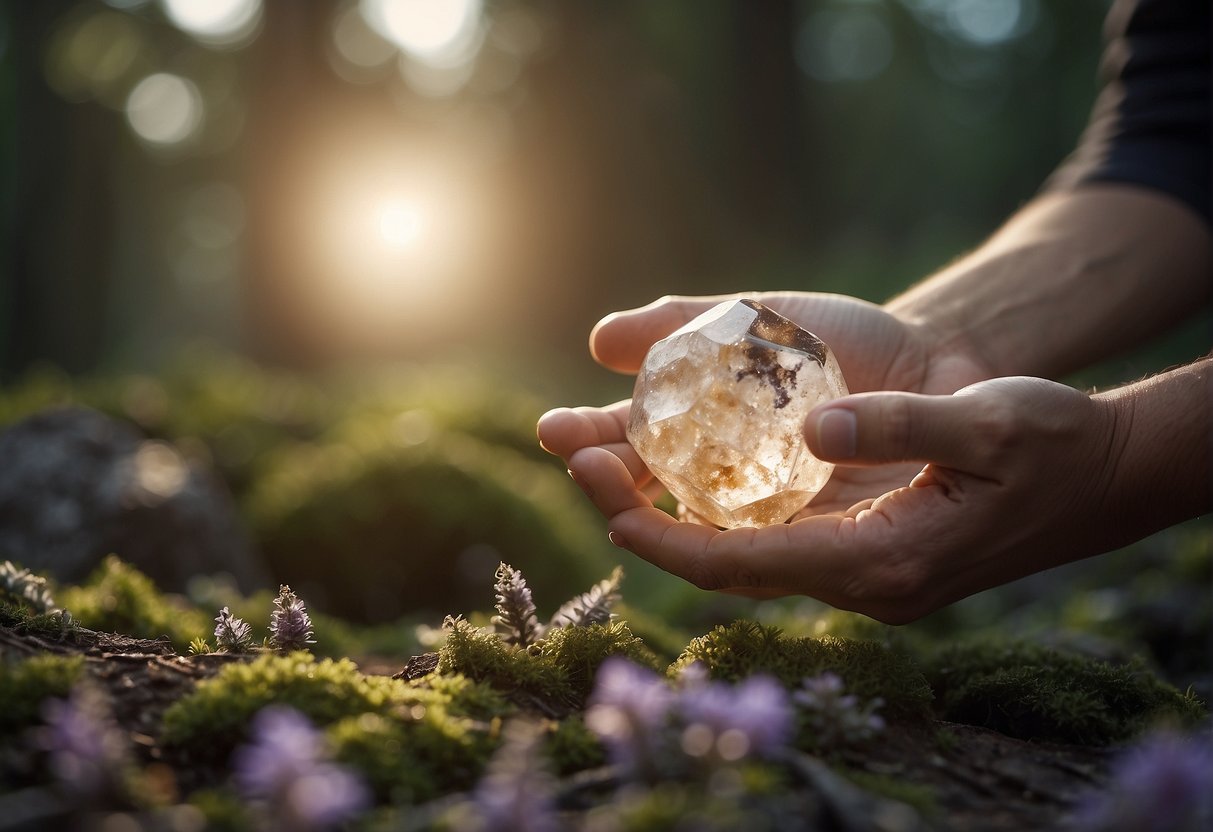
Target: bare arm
(1071,278)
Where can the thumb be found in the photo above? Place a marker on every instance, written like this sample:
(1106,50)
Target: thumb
(621,340)
(875,428)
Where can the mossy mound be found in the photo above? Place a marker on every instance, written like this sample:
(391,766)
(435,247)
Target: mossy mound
(556,673)
(1032,692)
(445,724)
(27,683)
(118,598)
(415,527)
(868,669)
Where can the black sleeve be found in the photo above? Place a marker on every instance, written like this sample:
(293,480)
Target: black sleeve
(1150,124)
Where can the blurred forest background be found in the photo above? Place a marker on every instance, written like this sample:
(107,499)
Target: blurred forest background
(337,181)
(450,193)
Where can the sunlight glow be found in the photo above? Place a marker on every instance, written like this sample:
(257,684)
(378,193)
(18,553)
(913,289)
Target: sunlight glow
(164,109)
(215,22)
(438,31)
(399,223)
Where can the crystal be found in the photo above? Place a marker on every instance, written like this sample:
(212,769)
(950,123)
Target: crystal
(718,410)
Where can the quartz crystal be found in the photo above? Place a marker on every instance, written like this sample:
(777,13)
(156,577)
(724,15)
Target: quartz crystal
(718,410)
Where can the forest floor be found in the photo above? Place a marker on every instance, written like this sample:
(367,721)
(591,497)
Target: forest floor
(979,779)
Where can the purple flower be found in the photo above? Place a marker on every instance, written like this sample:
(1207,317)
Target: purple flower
(836,719)
(1163,784)
(630,711)
(232,633)
(88,751)
(285,768)
(290,625)
(516,793)
(732,722)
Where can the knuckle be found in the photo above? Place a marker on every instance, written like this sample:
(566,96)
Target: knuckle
(897,427)
(998,425)
(702,576)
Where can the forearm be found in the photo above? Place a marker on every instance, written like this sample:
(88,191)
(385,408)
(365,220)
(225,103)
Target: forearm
(1071,278)
(1160,466)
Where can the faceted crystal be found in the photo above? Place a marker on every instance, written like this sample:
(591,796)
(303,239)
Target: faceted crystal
(718,410)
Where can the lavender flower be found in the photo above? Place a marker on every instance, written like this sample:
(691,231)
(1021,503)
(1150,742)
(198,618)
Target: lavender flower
(88,751)
(516,793)
(630,710)
(727,723)
(1163,784)
(232,633)
(516,621)
(290,625)
(285,770)
(836,719)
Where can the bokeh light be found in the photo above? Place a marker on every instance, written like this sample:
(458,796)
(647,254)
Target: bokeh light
(439,32)
(164,109)
(92,57)
(400,223)
(215,22)
(852,44)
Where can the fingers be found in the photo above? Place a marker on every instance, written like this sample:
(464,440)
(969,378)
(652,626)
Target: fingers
(607,481)
(875,428)
(621,340)
(565,430)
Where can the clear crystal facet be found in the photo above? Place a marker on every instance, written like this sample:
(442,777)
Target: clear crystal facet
(718,410)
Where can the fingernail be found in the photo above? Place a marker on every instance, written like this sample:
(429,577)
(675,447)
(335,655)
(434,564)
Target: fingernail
(589,492)
(619,540)
(837,433)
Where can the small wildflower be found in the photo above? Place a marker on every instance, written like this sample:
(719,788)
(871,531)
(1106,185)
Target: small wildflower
(516,793)
(630,710)
(24,587)
(516,621)
(730,722)
(232,633)
(1161,784)
(290,625)
(836,719)
(88,751)
(285,769)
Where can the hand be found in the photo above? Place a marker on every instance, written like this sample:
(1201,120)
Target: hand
(875,350)
(1017,473)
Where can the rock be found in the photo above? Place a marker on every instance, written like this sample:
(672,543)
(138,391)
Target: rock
(76,485)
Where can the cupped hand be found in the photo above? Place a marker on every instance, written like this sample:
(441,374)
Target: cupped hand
(875,350)
(1014,483)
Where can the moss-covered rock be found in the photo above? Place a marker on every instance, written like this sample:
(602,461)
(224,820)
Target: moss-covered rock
(1032,692)
(579,651)
(415,527)
(25,684)
(868,669)
(569,746)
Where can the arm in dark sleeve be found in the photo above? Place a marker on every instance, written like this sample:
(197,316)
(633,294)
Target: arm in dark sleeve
(1150,124)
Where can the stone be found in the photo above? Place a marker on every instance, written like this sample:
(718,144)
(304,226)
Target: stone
(76,485)
(718,410)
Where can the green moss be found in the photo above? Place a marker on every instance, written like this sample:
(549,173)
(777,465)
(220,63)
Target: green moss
(570,746)
(1024,690)
(222,811)
(915,795)
(118,598)
(483,656)
(664,639)
(26,684)
(868,669)
(22,619)
(579,651)
(400,518)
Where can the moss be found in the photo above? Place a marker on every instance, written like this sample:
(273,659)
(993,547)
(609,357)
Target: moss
(579,651)
(402,518)
(664,639)
(915,795)
(22,619)
(26,684)
(417,757)
(1027,691)
(868,669)
(118,598)
(222,811)
(570,746)
(483,656)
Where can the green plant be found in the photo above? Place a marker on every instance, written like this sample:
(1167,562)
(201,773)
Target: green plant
(868,669)
(27,683)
